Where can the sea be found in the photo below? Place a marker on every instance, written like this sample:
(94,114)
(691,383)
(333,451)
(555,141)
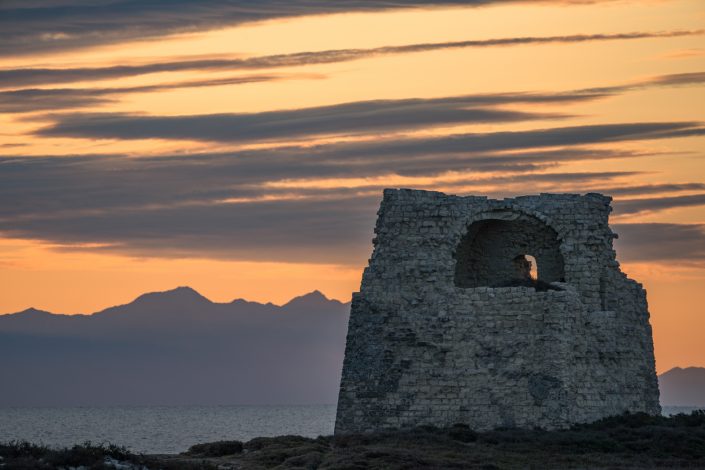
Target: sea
(161,429)
(170,429)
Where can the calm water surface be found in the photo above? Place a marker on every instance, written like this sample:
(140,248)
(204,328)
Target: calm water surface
(161,429)
(170,429)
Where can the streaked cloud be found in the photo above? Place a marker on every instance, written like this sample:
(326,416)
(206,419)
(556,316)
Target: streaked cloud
(321,229)
(31,184)
(226,205)
(362,117)
(51,187)
(689,78)
(41,26)
(518,140)
(651,189)
(347,119)
(312,230)
(42,76)
(660,242)
(29,100)
(634,206)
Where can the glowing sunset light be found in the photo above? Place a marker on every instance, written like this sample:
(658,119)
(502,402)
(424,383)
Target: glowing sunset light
(243,151)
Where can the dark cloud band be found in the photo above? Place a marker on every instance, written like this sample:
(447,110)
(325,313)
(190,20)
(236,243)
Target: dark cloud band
(347,118)
(634,206)
(317,230)
(654,242)
(227,205)
(362,117)
(41,76)
(30,100)
(43,26)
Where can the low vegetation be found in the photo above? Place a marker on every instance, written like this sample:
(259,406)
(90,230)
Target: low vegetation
(23,455)
(215,449)
(18,455)
(628,441)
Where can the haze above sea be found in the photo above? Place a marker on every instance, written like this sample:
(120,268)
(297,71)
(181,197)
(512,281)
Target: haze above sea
(170,429)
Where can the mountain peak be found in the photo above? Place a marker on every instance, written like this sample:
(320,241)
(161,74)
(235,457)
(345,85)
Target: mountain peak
(184,290)
(31,311)
(312,299)
(179,294)
(316,294)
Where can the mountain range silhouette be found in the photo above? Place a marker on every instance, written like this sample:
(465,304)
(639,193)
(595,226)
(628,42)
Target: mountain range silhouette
(683,386)
(179,348)
(176,347)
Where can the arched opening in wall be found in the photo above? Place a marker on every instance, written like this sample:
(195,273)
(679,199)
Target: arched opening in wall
(495,253)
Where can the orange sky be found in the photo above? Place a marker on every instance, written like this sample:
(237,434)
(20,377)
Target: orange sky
(177,210)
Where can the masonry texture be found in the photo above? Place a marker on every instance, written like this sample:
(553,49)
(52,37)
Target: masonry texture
(449,328)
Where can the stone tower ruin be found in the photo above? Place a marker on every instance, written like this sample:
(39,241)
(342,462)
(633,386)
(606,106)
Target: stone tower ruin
(449,328)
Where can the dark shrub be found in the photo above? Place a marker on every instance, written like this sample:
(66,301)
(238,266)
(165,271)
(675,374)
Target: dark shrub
(630,420)
(87,454)
(259,443)
(216,449)
(353,440)
(22,455)
(308,460)
(18,449)
(462,433)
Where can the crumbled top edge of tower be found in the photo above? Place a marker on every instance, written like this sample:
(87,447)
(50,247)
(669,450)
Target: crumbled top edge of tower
(401,192)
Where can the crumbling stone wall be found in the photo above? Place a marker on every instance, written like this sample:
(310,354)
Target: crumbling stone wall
(435,338)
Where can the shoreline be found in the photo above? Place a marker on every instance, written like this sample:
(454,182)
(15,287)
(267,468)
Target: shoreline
(628,441)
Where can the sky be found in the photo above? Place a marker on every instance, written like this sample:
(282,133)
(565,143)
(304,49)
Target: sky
(241,147)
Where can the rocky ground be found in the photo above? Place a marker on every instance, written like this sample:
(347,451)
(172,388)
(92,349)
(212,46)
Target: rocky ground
(630,441)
